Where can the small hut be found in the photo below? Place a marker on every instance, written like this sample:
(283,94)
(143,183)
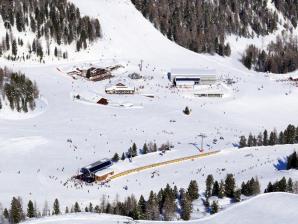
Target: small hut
(103,101)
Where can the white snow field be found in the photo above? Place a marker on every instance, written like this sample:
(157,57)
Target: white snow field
(37,160)
(274,208)
(82,219)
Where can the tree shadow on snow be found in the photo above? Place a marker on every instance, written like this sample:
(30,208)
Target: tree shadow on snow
(281,164)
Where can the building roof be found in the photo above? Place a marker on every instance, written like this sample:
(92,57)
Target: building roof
(97,163)
(187,78)
(103,101)
(120,86)
(190,71)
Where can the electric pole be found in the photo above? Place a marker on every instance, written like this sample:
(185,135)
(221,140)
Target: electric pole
(202,141)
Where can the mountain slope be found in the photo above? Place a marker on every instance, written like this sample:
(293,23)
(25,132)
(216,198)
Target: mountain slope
(39,30)
(203,26)
(38,157)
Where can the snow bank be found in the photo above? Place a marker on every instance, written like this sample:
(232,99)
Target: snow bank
(81,218)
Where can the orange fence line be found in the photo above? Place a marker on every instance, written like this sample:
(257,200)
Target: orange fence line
(154,165)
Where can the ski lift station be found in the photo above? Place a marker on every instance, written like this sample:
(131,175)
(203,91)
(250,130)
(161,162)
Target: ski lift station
(189,78)
(98,171)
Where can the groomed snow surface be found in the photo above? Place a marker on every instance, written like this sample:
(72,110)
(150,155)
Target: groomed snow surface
(37,159)
(274,208)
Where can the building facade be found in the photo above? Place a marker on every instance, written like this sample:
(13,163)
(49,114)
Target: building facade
(120,89)
(188,78)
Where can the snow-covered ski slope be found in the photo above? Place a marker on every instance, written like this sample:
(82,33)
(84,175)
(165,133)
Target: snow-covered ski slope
(272,208)
(36,159)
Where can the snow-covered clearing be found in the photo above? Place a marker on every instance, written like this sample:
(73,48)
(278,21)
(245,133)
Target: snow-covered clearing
(37,167)
(82,218)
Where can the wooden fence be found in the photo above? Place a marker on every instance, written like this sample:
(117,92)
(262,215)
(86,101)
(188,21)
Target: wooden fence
(155,165)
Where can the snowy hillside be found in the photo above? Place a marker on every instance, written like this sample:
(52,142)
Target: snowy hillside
(268,209)
(40,154)
(43,31)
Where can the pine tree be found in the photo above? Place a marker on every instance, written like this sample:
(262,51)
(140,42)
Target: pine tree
(290,134)
(237,195)
(250,140)
(193,190)
(296,132)
(282,185)
(265,138)
(56,207)
(292,161)
(14,48)
(34,46)
(145,149)
(108,209)
(115,158)
(186,111)
(227,50)
(186,206)
(161,198)
(214,207)
(56,52)
(152,208)
(215,189)
(256,188)
(269,188)
(30,210)
(90,208)
(79,45)
(169,207)
(77,207)
(242,142)
(281,138)
(129,153)
(175,192)
(16,211)
(290,185)
(273,138)
(142,207)
(123,157)
(39,50)
(19,22)
(260,140)
(209,184)
(221,192)
(66,210)
(97,209)
(6,213)
(230,186)
(7,41)
(134,150)
(134,214)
